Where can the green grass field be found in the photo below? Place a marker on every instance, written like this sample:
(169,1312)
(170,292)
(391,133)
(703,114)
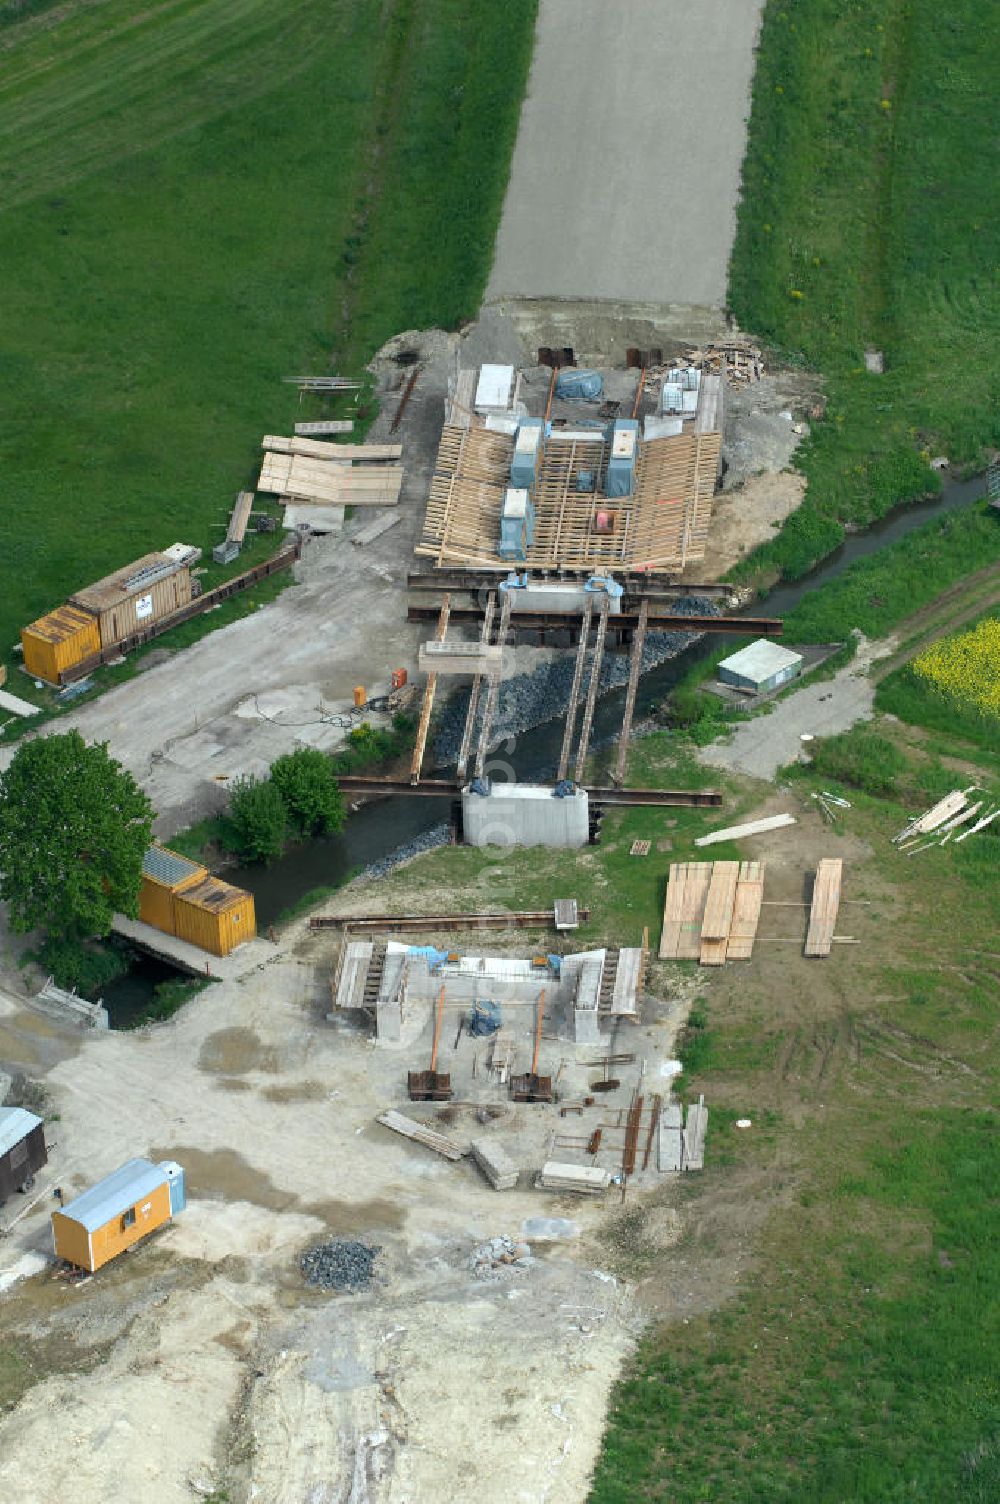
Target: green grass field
(867,220)
(855,1362)
(198,199)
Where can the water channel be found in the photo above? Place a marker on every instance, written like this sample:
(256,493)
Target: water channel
(379,828)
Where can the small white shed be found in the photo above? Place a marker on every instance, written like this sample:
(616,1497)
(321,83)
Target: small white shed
(760,667)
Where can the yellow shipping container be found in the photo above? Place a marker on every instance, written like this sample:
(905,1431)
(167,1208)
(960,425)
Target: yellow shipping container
(214,916)
(59,641)
(165,873)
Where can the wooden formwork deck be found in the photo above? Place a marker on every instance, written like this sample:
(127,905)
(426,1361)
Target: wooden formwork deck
(663,524)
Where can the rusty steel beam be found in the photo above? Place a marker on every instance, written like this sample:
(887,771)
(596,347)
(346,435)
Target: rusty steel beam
(358,787)
(658,620)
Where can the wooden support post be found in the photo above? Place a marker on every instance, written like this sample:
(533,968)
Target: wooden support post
(477,684)
(552,391)
(595,675)
(417,761)
(639,391)
(635,669)
(574,693)
(493,693)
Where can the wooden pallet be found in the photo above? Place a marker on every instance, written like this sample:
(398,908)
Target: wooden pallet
(640,848)
(825,905)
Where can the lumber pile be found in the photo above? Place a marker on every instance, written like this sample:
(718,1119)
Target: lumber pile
(751,828)
(309,471)
(737,358)
(495,1163)
(711,911)
(943,819)
(825,905)
(580,1180)
(718,915)
(687,892)
(420,1133)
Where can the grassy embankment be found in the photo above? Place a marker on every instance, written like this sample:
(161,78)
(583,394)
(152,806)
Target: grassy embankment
(954,552)
(867,220)
(855,1365)
(198,200)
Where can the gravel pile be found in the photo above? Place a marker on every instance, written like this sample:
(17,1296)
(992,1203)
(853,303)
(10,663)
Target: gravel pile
(339,1265)
(494,1257)
(438,835)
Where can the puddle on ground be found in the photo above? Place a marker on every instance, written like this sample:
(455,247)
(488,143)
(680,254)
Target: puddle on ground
(234,1052)
(223,1173)
(302,1091)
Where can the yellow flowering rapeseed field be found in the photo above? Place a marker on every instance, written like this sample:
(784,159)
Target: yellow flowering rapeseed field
(966,669)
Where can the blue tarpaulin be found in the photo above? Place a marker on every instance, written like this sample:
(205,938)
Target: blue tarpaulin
(435,957)
(579,386)
(484,1018)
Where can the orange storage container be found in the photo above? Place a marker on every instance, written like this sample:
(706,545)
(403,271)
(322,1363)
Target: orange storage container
(360,697)
(59,641)
(398,678)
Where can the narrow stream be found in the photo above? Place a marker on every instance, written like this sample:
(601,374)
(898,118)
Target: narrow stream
(381,827)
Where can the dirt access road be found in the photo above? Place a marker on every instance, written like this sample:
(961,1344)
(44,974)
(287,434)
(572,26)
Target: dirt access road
(626,171)
(761,746)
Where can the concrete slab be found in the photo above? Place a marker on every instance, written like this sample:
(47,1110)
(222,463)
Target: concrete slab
(239,962)
(626,171)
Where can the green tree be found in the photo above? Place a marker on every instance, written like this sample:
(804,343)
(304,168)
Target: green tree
(306,782)
(257,822)
(74,826)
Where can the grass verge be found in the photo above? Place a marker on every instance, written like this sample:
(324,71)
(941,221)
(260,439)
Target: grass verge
(854,1362)
(866,221)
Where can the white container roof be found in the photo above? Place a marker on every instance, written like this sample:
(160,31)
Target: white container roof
(515,502)
(116,1193)
(760,660)
(15,1124)
(494,387)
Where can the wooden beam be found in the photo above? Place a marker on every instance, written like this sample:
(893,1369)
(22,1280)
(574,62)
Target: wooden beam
(493,693)
(635,669)
(595,675)
(574,693)
(425,710)
(470,716)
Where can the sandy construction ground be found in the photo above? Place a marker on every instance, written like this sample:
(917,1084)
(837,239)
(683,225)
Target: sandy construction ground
(202,1359)
(626,170)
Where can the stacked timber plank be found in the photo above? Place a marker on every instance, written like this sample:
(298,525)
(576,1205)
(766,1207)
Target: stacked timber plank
(420,1133)
(824,907)
(498,1167)
(306,470)
(718,915)
(711,911)
(580,1180)
(746,911)
(687,892)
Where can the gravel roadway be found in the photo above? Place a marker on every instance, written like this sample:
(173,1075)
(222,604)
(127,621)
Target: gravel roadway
(627,165)
(760,747)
